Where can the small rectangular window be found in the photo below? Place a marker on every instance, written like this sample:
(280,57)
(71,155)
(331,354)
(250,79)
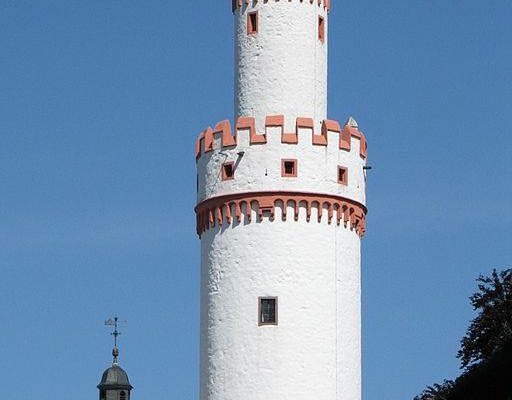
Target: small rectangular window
(228,171)
(252,23)
(343,176)
(267,311)
(321,29)
(289,168)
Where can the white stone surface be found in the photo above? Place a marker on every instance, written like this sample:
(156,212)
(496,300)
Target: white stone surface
(313,269)
(283,68)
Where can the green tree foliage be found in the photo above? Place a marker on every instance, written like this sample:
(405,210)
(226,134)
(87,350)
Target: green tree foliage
(437,391)
(486,349)
(492,327)
(489,380)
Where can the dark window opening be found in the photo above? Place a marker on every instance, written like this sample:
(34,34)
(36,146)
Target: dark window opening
(268,311)
(321,29)
(252,23)
(228,171)
(342,175)
(122,396)
(289,168)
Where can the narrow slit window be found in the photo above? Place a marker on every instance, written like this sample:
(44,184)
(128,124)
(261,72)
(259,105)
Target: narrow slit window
(321,29)
(289,168)
(252,23)
(228,171)
(122,396)
(343,176)
(267,311)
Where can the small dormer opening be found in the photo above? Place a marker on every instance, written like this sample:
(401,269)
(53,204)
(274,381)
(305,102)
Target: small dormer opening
(228,171)
(289,168)
(252,23)
(343,176)
(321,29)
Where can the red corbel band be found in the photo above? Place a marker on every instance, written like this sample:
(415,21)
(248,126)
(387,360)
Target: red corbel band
(222,209)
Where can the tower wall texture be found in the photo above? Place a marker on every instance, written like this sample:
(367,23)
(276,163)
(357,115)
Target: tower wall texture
(267,231)
(283,68)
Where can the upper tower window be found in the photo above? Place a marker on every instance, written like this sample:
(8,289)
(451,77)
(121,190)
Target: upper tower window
(289,168)
(122,395)
(228,171)
(343,176)
(321,29)
(252,23)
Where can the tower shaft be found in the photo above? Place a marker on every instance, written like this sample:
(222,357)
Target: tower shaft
(281,67)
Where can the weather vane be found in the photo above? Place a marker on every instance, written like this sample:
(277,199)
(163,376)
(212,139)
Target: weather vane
(115,323)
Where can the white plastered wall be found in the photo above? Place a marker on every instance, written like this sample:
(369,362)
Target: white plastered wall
(314,270)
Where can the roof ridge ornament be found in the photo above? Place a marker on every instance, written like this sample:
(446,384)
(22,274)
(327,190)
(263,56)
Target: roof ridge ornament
(115,351)
(352,122)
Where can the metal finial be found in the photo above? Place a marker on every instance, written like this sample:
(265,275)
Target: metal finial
(114,322)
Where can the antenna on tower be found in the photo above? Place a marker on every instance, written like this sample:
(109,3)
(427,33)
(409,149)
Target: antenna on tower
(115,323)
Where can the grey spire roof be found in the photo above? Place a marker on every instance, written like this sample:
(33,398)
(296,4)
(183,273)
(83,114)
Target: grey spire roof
(115,378)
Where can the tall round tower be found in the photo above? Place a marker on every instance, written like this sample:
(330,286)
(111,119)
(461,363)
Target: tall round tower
(280,213)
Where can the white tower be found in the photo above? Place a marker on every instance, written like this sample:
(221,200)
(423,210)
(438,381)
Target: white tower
(280,213)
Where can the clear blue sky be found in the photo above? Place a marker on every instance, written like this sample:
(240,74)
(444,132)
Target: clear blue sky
(100,104)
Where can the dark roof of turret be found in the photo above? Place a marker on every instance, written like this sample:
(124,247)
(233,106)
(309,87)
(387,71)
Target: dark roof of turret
(115,378)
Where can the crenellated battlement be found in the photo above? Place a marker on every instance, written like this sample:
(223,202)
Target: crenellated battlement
(235,4)
(206,142)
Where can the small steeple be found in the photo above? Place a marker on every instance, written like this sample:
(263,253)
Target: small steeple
(115,384)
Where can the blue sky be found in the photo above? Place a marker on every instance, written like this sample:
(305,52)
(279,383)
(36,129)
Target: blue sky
(100,104)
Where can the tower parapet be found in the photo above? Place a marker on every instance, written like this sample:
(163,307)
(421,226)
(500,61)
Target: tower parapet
(258,184)
(346,137)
